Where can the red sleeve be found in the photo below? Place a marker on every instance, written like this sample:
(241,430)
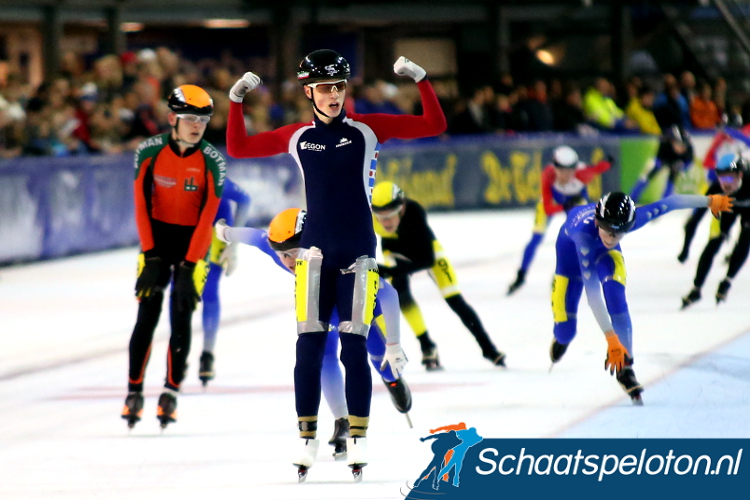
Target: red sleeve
(548,178)
(241,145)
(142,217)
(430,123)
(203,233)
(709,161)
(587,174)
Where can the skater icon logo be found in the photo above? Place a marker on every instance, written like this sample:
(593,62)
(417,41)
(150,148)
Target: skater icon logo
(450,444)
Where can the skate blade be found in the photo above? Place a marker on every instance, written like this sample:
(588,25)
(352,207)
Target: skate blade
(637,401)
(408,420)
(339,455)
(302,473)
(356,473)
(551,367)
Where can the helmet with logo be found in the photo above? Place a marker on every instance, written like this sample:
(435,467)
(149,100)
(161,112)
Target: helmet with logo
(191,100)
(387,197)
(565,157)
(323,65)
(285,230)
(616,212)
(730,163)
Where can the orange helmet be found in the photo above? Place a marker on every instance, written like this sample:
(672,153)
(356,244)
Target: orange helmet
(285,230)
(191,100)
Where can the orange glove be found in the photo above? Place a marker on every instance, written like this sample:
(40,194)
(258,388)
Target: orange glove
(616,353)
(718,203)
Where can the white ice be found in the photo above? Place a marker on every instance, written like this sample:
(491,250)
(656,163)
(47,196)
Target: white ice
(66,324)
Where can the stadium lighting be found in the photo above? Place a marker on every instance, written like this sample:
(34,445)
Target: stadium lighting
(131,27)
(226,23)
(546,57)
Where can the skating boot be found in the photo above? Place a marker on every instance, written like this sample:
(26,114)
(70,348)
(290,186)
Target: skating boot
(721,293)
(557,350)
(133,408)
(206,368)
(357,456)
(400,394)
(308,450)
(497,358)
(431,359)
(626,378)
(166,411)
(520,280)
(691,298)
(338,440)
(683,256)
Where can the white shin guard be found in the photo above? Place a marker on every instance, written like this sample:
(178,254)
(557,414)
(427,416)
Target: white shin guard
(306,452)
(356,451)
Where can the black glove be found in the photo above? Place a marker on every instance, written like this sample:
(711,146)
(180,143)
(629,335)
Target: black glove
(146,283)
(186,296)
(572,202)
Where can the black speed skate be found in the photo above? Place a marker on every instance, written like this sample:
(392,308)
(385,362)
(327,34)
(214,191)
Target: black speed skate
(133,408)
(557,350)
(626,378)
(206,368)
(166,411)
(497,358)
(400,394)
(338,440)
(520,280)
(431,359)
(721,293)
(691,298)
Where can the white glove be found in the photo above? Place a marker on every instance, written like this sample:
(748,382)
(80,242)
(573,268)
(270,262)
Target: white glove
(395,357)
(228,258)
(405,67)
(221,230)
(242,86)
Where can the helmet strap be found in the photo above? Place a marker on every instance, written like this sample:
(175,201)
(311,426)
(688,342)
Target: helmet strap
(315,106)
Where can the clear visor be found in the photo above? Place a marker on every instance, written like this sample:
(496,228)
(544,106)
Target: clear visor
(195,118)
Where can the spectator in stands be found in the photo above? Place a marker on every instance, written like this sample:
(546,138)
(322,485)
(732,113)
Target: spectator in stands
(688,86)
(703,111)
(373,99)
(640,110)
(670,106)
(537,109)
(600,109)
(473,114)
(567,113)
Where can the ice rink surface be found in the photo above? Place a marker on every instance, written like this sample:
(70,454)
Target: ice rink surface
(66,324)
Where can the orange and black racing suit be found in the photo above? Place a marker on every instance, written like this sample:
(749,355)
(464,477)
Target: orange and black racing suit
(176,199)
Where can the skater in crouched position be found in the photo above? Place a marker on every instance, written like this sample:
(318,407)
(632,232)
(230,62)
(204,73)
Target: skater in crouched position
(179,179)
(564,186)
(281,243)
(589,256)
(409,246)
(222,260)
(336,267)
(730,172)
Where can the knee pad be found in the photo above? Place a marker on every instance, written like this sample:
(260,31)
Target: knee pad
(365,290)
(307,291)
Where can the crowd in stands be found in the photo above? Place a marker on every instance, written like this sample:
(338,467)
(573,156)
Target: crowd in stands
(111,106)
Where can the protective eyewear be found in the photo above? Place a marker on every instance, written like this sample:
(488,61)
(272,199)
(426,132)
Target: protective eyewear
(195,118)
(388,214)
(728,178)
(327,88)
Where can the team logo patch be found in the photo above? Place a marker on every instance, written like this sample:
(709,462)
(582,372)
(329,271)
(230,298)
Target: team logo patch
(343,142)
(190,184)
(166,182)
(311,146)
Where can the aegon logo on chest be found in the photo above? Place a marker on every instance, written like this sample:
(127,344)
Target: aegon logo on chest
(311,146)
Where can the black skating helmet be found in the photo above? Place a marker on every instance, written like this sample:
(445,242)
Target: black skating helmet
(616,212)
(730,163)
(323,65)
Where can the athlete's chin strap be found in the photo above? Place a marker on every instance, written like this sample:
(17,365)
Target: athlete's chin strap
(176,137)
(315,106)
